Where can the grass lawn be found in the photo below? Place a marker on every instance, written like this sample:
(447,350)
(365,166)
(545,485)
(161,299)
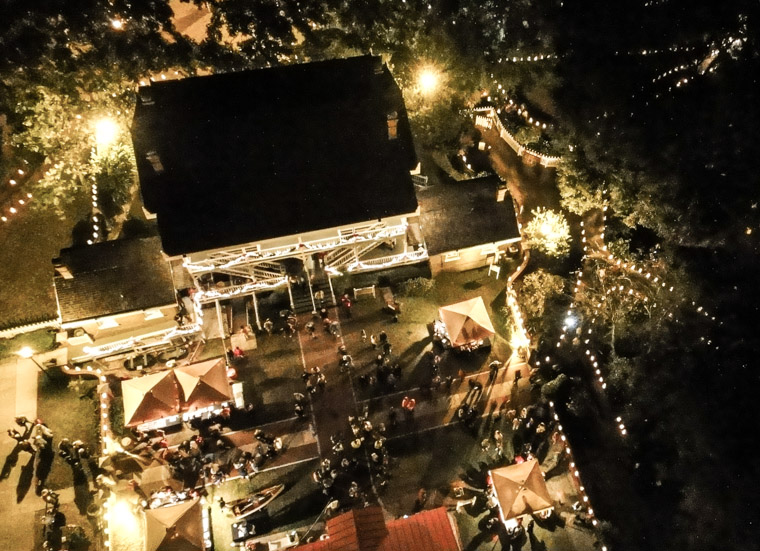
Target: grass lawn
(69,407)
(41,340)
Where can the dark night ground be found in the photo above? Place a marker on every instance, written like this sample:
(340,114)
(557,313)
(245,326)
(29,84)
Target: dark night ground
(699,140)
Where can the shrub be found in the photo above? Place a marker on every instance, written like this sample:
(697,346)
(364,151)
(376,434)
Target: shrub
(415,287)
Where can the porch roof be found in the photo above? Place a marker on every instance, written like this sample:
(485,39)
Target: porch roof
(113,277)
(460,215)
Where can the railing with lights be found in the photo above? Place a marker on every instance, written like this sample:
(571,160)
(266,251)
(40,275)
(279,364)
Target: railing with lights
(251,255)
(486,117)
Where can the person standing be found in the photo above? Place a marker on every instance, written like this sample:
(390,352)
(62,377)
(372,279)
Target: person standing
(494,368)
(268,326)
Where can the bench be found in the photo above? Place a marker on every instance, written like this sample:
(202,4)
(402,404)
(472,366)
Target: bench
(364,291)
(390,301)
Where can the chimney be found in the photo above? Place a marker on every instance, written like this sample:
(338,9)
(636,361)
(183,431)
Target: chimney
(501,193)
(61,269)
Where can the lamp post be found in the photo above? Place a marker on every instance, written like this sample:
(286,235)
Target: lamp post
(28,353)
(106,131)
(427,81)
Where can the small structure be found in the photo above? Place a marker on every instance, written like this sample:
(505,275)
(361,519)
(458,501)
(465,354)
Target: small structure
(367,530)
(175,527)
(162,399)
(150,397)
(520,490)
(115,297)
(467,225)
(466,324)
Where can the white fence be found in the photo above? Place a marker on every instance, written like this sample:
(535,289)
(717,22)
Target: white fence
(486,117)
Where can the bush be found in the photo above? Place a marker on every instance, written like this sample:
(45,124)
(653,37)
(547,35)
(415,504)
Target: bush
(415,287)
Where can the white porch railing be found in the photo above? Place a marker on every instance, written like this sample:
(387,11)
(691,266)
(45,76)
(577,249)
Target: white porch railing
(143,343)
(211,295)
(252,255)
(409,257)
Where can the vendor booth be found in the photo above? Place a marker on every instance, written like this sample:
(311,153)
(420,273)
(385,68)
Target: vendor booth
(464,325)
(170,397)
(520,490)
(179,527)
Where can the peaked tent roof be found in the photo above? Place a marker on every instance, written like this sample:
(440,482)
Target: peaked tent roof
(521,489)
(203,383)
(234,158)
(466,321)
(175,527)
(175,390)
(150,397)
(366,530)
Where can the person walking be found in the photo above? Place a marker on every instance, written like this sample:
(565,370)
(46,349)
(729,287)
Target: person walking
(268,326)
(408,405)
(363,336)
(312,329)
(494,371)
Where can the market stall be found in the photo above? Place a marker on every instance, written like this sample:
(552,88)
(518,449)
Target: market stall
(520,490)
(464,325)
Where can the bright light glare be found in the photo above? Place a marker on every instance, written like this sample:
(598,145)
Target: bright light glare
(26,352)
(428,81)
(570,321)
(105,132)
(117,24)
(123,517)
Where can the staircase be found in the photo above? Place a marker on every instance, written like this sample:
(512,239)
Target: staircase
(302,299)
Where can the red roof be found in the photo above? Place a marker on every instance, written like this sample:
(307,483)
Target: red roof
(366,530)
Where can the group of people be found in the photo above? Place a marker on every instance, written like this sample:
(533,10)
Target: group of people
(341,475)
(31,436)
(289,327)
(314,379)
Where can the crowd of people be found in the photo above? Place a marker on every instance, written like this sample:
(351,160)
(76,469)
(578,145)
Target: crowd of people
(358,452)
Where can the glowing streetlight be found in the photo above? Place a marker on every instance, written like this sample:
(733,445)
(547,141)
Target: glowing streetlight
(428,80)
(106,131)
(28,354)
(117,24)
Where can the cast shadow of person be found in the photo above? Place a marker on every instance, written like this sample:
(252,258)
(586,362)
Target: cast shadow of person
(535,543)
(25,480)
(11,461)
(43,465)
(82,494)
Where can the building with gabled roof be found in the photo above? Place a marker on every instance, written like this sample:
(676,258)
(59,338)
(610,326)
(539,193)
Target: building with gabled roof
(366,530)
(467,224)
(259,176)
(114,296)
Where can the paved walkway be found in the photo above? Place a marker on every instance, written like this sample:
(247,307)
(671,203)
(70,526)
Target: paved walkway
(332,406)
(435,409)
(18,388)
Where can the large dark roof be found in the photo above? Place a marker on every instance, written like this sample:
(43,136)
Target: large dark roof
(459,215)
(113,277)
(259,154)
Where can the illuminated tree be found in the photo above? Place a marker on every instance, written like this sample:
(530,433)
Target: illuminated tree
(539,295)
(549,232)
(579,188)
